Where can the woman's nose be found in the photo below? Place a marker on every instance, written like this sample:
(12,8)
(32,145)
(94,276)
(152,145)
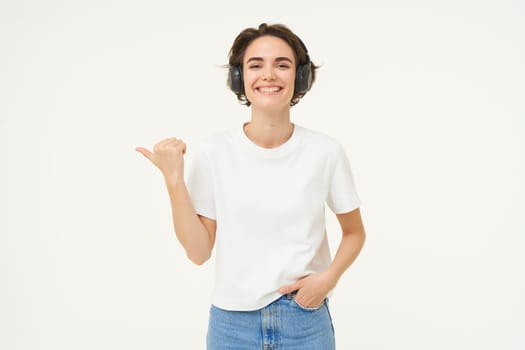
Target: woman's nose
(269,74)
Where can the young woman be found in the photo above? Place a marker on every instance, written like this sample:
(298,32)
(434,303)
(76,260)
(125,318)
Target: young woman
(257,194)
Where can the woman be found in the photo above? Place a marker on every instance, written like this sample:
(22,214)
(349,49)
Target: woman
(257,194)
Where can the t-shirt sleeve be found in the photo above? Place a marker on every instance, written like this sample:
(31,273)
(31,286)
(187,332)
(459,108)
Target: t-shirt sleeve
(200,185)
(342,195)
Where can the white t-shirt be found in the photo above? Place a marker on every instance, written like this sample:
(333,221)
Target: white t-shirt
(269,204)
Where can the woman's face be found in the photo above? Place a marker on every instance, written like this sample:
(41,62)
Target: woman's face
(269,73)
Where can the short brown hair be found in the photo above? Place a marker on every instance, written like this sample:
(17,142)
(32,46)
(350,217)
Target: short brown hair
(248,35)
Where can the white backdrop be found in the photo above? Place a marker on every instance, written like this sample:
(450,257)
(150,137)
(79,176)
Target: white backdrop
(426,96)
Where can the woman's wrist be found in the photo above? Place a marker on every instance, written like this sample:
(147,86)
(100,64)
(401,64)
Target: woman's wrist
(173,180)
(333,275)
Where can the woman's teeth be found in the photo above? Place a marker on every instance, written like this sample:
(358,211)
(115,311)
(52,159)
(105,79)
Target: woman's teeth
(269,89)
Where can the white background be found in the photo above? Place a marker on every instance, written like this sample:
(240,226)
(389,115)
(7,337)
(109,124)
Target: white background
(426,96)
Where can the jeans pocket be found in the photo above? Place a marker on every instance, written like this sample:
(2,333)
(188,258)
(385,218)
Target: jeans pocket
(309,308)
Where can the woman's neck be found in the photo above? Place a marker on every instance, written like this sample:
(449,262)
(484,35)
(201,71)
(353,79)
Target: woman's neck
(269,130)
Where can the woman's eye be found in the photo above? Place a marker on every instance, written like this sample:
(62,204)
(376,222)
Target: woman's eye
(255,66)
(283,66)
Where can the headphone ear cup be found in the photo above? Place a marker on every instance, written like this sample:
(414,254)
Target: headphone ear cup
(303,78)
(235,80)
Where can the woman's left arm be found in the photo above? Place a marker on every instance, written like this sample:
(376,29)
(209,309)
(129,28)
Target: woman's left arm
(351,243)
(312,289)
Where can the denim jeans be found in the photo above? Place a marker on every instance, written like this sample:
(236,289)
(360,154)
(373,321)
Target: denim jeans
(283,324)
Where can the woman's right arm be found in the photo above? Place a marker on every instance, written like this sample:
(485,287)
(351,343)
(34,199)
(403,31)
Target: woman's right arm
(196,233)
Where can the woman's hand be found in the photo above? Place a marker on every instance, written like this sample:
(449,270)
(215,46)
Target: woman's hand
(167,155)
(312,289)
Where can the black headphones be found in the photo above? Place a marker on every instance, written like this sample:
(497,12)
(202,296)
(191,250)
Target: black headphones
(303,76)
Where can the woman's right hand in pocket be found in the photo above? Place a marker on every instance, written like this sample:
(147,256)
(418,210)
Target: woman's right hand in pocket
(167,156)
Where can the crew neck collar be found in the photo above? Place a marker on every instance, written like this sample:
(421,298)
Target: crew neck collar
(270,152)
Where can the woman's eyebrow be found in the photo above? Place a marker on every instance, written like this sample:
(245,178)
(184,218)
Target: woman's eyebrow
(279,59)
(254,59)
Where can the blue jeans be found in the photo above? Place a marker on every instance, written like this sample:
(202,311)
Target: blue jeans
(283,324)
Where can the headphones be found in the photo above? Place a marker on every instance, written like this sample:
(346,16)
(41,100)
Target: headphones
(303,76)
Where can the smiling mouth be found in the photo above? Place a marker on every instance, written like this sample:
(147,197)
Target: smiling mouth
(269,90)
